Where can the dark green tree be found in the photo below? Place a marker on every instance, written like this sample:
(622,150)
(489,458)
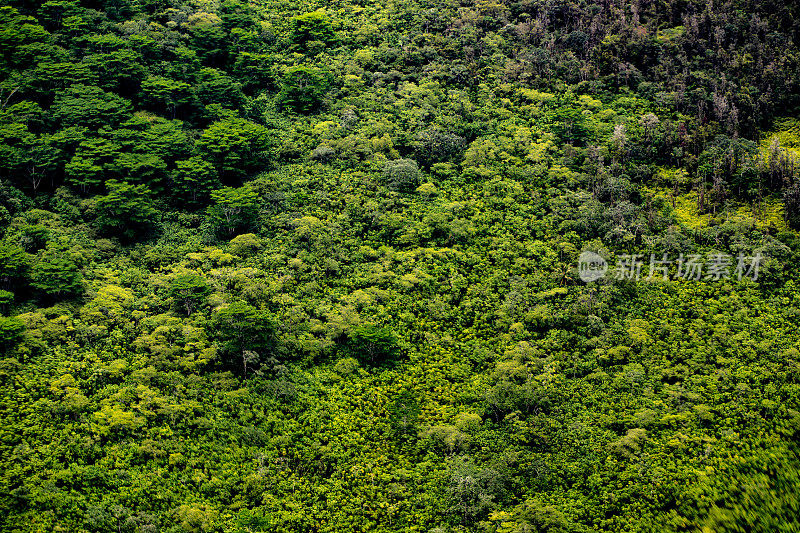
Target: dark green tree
(6,300)
(12,330)
(55,275)
(243,333)
(404,412)
(373,344)
(303,88)
(14,266)
(126,210)
(189,291)
(791,203)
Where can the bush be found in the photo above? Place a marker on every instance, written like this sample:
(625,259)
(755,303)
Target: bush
(245,245)
(401,175)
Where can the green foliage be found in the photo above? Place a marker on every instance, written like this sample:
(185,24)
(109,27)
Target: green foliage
(233,210)
(303,88)
(311,32)
(56,275)
(126,211)
(372,344)
(384,179)
(189,291)
(245,336)
(12,330)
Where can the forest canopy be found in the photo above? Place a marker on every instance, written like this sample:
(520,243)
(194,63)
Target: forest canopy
(290,267)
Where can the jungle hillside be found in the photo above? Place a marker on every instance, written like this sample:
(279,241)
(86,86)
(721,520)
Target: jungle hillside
(320,266)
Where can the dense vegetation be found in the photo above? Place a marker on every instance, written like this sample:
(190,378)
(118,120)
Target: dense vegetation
(268,266)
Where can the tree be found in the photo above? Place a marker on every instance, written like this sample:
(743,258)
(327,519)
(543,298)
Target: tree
(149,134)
(373,344)
(193,180)
(214,87)
(233,210)
(311,32)
(166,95)
(33,237)
(401,175)
(189,291)
(126,210)
(138,167)
(14,265)
(471,490)
(17,30)
(303,88)
(791,202)
(245,245)
(570,124)
(11,332)
(404,411)
(87,168)
(56,275)
(536,516)
(208,37)
(242,331)
(6,299)
(120,71)
(89,106)
(235,146)
(435,145)
(23,154)
(254,70)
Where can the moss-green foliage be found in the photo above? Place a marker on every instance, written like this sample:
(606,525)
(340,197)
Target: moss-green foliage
(279,267)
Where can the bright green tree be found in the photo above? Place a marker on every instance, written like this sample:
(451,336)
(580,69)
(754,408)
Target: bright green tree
(235,146)
(233,210)
(193,180)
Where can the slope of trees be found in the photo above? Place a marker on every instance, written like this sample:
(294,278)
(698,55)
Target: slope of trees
(271,267)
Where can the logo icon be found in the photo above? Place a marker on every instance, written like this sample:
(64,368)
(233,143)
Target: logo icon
(591,266)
